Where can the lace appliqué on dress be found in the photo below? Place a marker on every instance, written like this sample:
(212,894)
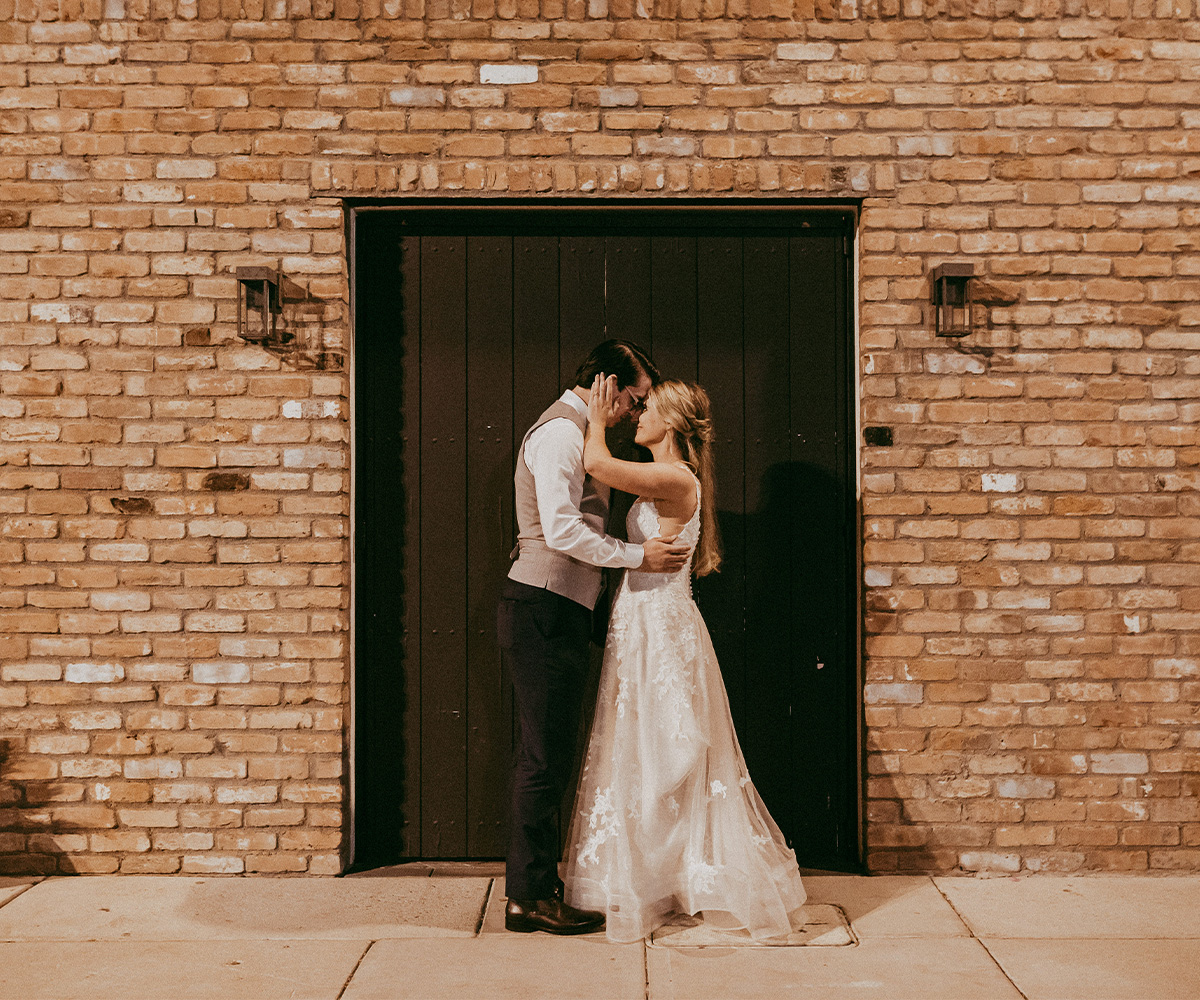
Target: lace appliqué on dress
(702,876)
(603,825)
(633,808)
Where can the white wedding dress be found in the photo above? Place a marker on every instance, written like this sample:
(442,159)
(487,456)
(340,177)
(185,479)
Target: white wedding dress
(666,818)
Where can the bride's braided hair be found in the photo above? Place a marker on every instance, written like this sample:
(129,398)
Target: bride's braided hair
(687,410)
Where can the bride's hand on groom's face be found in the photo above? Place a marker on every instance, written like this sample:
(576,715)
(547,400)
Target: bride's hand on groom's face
(602,404)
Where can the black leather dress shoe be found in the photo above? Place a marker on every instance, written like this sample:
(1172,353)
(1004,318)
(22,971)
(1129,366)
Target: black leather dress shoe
(550,915)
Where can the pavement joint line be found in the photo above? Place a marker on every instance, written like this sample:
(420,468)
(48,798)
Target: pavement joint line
(975,937)
(354,971)
(949,902)
(1003,971)
(487,898)
(1092,937)
(20,892)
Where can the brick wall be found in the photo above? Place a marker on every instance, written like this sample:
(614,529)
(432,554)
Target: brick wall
(173,503)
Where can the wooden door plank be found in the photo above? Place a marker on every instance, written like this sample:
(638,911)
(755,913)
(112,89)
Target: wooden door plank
(673,301)
(823,732)
(535,332)
(580,302)
(814,265)
(387,600)
(770,521)
(719,344)
(443,546)
(406,412)
(489,514)
(627,295)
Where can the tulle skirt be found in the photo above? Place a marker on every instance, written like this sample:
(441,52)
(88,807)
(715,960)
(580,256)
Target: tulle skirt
(667,820)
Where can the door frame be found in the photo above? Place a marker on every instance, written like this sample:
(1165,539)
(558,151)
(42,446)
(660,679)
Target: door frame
(355,210)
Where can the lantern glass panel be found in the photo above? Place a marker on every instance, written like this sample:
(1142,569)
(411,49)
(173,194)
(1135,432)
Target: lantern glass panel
(952,304)
(258,305)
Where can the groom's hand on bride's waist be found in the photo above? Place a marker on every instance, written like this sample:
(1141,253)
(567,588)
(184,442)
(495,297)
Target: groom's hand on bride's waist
(663,556)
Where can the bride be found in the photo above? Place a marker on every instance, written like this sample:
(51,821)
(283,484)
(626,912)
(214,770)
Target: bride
(666,819)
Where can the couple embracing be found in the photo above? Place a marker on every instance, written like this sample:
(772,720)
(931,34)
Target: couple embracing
(666,819)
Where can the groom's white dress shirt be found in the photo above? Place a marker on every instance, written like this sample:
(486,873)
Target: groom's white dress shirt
(554,456)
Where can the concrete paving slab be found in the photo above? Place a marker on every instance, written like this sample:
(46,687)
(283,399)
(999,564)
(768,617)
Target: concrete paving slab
(501,967)
(1102,906)
(888,905)
(171,908)
(1091,969)
(177,970)
(825,926)
(11,888)
(883,968)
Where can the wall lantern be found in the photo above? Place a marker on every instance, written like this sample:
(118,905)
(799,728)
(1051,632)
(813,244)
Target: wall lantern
(258,304)
(952,298)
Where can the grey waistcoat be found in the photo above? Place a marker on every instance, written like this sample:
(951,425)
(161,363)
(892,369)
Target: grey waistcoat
(537,564)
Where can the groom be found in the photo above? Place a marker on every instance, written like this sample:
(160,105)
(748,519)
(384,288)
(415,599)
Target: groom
(545,622)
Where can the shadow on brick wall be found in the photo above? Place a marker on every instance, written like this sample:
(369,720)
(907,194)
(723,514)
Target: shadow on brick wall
(305,321)
(38,828)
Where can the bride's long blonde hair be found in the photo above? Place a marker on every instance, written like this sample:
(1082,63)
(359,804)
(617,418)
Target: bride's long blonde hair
(687,411)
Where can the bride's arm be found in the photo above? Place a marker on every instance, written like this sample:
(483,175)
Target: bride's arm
(655,480)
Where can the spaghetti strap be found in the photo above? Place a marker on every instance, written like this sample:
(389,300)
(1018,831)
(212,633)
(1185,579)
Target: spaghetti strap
(699,490)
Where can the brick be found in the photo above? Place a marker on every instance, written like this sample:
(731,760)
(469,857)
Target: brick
(205,864)
(697,120)
(806,52)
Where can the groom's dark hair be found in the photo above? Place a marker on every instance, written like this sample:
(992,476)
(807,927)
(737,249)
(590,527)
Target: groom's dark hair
(616,357)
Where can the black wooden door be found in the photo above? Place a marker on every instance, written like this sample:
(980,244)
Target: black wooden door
(469,322)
